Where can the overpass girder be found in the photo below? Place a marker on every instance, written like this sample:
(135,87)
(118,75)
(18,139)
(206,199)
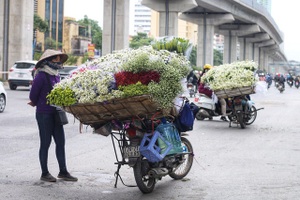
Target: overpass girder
(238,30)
(174,5)
(212,19)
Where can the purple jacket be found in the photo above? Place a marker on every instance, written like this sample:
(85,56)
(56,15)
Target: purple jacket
(40,89)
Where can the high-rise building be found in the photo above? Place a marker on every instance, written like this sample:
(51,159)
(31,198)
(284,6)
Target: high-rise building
(266,3)
(52,11)
(141,17)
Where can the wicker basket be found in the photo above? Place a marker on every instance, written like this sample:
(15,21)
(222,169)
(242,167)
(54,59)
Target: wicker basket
(226,93)
(117,109)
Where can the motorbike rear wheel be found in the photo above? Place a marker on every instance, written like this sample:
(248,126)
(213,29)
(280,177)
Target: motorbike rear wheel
(240,119)
(145,183)
(183,168)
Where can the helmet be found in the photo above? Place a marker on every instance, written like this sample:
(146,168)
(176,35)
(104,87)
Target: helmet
(207,66)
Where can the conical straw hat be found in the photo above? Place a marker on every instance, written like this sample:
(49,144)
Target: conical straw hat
(49,53)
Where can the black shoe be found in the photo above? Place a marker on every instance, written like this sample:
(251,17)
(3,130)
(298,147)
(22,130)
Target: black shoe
(67,177)
(224,118)
(48,177)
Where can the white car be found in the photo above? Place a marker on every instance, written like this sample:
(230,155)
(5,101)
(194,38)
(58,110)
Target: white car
(3,97)
(20,74)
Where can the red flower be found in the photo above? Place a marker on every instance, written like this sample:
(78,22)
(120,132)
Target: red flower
(128,78)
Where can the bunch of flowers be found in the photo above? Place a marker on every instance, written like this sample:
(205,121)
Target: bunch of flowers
(126,73)
(229,76)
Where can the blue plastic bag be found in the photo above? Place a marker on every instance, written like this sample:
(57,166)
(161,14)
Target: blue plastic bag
(186,115)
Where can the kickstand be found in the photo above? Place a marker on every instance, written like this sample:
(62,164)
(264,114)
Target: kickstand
(117,175)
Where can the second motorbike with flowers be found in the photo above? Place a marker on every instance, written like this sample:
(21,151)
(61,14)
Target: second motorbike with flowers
(234,82)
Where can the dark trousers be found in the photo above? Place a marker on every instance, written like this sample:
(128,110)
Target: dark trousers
(47,130)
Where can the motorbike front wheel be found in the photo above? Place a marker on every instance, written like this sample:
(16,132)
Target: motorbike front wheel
(184,167)
(252,116)
(145,183)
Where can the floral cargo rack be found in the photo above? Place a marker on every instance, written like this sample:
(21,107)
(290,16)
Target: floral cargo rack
(117,109)
(226,93)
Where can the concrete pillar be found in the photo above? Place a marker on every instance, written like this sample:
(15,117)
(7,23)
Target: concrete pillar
(242,43)
(19,33)
(206,30)
(261,59)
(249,51)
(115,35)
(172,29)
(266,62)
(205,49)
(230,48)
(257,53)
(168,13)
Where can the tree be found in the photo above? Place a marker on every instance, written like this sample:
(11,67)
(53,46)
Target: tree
(141,39)
(38,25)
(52,44)
(96,31)
(218,58)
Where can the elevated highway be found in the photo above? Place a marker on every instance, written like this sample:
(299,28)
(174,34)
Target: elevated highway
(245,24)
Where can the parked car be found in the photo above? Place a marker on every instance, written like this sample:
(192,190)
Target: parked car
(20,74)
(3,97)
(67,71)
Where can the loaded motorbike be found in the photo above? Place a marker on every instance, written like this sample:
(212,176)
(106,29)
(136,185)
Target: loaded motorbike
(297,84)
(290,82)
(208,108)
(154,148)
(243,110)
(280,87)
(239,110)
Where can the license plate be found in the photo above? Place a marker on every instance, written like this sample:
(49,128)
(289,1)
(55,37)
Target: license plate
(131,151)
(20,75)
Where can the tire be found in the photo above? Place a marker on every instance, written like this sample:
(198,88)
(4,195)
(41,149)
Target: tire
(199,117)
(183,168)
(253,115)
(240,119)
(12,86)
(2,103)
(142,179)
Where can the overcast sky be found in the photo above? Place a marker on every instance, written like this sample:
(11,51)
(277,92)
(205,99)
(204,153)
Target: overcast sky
(286,14)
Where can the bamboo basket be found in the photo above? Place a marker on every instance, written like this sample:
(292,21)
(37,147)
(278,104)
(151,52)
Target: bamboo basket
(226,93)
(117,109)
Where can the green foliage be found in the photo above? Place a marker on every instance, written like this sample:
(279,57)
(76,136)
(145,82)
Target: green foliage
(218,58)
(52,44)
(37,55)
(39,24)
(134,89)
(178,45)
(141,39)
(96,30)
(193,56)
(61,97)
(72,60)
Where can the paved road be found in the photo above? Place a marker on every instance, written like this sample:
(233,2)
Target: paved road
(259,162)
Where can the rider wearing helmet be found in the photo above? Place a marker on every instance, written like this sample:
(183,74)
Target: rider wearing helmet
(202,88)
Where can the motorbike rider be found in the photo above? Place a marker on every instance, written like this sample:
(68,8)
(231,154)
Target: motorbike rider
(203,89)
(297,79)
(269,79)
(282,80)
(191,77)
(276,79)
(290,78)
